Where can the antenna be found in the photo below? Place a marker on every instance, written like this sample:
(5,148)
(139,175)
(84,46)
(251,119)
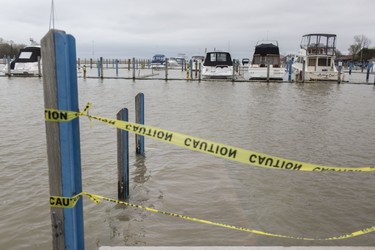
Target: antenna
(52,16)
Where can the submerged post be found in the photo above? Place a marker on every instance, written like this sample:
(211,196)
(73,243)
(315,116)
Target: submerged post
(63,139)
(268,72)
(339,72)
(303,70)
(369,66)
(133,67)
(123,157)
(290,62)
(101,68)
(39,67)
(140,119)
(166,69)
(8,66)
(233,71)
(200,70)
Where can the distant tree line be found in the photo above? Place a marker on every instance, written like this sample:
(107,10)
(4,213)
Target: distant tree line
(359,50)
(9,48)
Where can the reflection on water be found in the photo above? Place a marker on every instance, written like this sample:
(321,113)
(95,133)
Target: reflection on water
(320,123)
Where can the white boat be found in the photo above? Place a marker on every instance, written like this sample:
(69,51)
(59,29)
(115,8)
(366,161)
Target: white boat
(266,63)
(316,58)
(217,64)
(158,61)
(26,63)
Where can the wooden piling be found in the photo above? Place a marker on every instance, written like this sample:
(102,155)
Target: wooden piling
(39,67)
(290,63)
(63,139)
(140,119)
(133,66)
(101,68)
(123,157)
(166,69)
(8,66)
(117,61)
(191,68)
(303,71)
(368,72)
(233,71)
(268,72)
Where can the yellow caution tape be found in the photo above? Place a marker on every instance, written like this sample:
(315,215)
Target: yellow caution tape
(63,202)
(98,199)
(201,145)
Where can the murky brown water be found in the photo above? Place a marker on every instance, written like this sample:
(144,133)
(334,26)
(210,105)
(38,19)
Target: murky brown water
(321,123)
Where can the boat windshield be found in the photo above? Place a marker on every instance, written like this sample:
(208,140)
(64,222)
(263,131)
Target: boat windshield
(218,58)
(28,54)
(25,55)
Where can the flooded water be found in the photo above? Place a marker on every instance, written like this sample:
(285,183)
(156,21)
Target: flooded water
(322,123)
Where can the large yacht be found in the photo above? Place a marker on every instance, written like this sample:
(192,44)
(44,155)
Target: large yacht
(316,58)
(266,63)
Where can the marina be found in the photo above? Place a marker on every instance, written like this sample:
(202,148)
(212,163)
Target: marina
(197,125)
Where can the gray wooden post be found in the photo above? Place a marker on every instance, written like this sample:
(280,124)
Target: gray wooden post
(268,72)
(8,64)
(123,157)
(101,68)
(303,70)
(133,66)
(290,63)
(200,70)
(233,71)
(63,139)
(166,69)
(140,118)
(39,67)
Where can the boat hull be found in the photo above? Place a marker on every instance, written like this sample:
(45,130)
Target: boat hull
(217,72)
(257,73)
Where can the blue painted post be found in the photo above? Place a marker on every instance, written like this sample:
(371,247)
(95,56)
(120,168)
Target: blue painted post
(140,119)
(369,66)
(101,68)
(63,139)
(290,63)
(98,66)
(191,69)
(123,157)
(350,68)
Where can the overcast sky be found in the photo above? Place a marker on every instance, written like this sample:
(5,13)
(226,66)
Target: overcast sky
(141,28)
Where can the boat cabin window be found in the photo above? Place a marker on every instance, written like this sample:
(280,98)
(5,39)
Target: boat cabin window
(217,58)
(312,62)
(25,55)
(264,60)
(324,61)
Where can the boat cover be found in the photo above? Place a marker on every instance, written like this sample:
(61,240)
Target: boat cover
(266,49)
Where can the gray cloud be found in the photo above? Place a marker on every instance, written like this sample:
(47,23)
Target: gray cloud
(118,28)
